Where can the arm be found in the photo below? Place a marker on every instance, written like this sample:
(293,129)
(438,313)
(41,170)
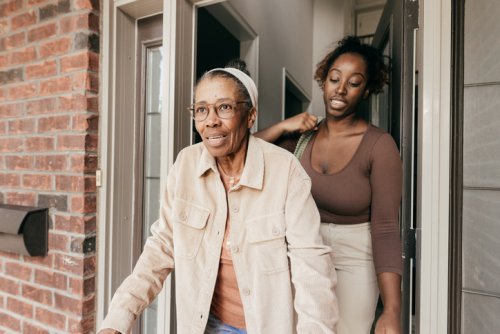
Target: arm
(298,123)
(386,180)
(312,272)
(155,263)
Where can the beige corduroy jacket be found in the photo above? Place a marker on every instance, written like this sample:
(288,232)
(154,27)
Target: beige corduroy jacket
(284,272)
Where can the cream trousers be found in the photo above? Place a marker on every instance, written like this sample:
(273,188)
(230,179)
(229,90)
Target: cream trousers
(357,288)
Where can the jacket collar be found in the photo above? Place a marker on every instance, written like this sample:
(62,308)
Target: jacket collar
(253,172)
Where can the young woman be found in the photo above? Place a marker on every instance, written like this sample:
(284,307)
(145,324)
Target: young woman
(240,227)
(356,176)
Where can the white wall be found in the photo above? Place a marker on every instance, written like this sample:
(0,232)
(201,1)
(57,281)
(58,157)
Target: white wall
(284,28)
(333,19)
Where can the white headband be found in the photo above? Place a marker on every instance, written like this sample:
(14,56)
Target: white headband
(245,80)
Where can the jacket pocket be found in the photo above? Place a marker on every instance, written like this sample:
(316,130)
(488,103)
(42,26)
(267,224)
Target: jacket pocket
(189,222)
(266,236)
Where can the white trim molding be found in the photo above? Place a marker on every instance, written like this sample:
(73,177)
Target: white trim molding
(433,63)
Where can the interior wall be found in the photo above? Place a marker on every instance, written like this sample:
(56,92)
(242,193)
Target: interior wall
(332,20)
(284,28)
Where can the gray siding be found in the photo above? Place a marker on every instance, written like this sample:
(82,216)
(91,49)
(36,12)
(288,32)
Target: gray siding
(481,209)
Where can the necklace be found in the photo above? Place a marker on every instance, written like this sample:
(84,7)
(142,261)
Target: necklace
(230,179)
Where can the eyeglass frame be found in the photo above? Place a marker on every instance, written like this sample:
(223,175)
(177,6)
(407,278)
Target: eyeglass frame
(212,106)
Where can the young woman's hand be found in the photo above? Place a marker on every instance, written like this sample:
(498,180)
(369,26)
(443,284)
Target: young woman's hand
(388,323)
(108,331)
(300,123)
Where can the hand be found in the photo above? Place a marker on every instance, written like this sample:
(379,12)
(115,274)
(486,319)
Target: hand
(300,123)
(388,323)
(108,331)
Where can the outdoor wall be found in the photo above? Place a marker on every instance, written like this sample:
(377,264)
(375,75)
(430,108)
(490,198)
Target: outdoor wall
(49,58)
(481,210)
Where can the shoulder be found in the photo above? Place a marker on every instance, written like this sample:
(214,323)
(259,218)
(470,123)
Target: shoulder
(280,158)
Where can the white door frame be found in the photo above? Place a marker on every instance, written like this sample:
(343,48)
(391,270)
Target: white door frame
(433,63)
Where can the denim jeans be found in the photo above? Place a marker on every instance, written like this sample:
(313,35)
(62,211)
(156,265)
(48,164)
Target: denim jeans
(215,326)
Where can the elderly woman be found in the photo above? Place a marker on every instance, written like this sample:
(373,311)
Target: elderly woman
(240,228)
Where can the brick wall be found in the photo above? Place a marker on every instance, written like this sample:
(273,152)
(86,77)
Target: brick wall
(49,61)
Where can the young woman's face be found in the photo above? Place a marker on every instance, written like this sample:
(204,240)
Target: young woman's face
(223,136)
(345,85)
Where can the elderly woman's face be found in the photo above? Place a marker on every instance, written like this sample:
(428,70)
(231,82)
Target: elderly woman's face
(223,136)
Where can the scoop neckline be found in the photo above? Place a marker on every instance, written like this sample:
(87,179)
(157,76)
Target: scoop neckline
(313,139)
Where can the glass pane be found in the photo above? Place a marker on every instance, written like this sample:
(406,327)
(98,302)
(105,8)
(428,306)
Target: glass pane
(152,155)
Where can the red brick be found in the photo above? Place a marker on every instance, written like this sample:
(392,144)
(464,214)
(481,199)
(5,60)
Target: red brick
(3,94)
(89,265)
(75,224)
(83,203)
(22,56)
(4,27)
(43,106)
(59,242)
(68,183)
(36,2)
(85,122)
(9,7)
(79,22)
(51,279)
(17,162)
(8,144)
(38,294)
(19,307)
(55,48)
(84,163)
(78,103)
(75,62)
(3,128)
(18,198)
(22,91)
(14,41)
(82,287)
(71,142)
(55,320)
(9,180)
(86,80)
(9,286)
(51,162)
(4,61)
(10,322)
(18,270)
(23,20)
(87,4)
(45,261)
(56,85)
(36,144)
(21,126)
(40,70)
(37,181)
(54,123)
(81,326)
(32,329)
(75,306)
(67,263)
(42,32)
(11,110)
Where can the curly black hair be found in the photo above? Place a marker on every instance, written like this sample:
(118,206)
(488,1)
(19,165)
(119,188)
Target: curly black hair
(378,70)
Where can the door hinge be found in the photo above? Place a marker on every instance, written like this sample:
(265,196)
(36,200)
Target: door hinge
(410,244)
(98,178)
(411,9)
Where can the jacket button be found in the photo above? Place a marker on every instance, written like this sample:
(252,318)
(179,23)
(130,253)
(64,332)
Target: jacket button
(234,249)
(276,231)
(182,215)
(236,209)
(246,292)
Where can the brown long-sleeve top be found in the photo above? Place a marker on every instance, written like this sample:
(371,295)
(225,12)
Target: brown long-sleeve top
(367,189)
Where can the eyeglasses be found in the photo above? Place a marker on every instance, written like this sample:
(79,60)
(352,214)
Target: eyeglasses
(223,109)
